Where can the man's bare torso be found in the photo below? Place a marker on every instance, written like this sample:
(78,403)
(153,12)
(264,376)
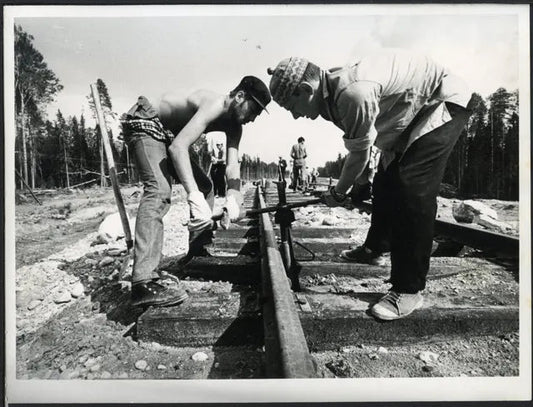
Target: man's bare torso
(176,111)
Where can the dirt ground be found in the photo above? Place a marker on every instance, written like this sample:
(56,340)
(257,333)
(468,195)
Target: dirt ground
(74,320)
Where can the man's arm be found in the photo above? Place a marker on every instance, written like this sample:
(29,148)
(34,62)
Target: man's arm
(354,166)
(358,107)
(234,204)
(233,169)
(179,149)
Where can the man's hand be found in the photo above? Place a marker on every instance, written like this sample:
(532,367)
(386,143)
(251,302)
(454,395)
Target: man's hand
(332,198)
(200,212)
(234,205)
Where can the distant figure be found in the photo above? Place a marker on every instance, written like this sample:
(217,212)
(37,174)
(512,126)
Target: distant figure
(314,176)
(298,154)
(282,168)
(218,170)
(291,174)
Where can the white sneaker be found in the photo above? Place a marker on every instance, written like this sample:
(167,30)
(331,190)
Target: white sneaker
(395,305)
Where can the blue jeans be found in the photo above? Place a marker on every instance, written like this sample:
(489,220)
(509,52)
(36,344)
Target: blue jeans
(156,171)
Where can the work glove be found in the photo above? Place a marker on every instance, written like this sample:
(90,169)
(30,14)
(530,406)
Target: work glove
(332,198)
(200,212)
(361,192)
(234,206)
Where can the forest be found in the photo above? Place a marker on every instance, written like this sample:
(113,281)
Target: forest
(64,152)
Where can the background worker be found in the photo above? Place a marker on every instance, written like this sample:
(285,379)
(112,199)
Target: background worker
(292,184)
(160,136)
(218,170)
(298,154)
(314,176)
(306,177)
(282,167)
(412,109)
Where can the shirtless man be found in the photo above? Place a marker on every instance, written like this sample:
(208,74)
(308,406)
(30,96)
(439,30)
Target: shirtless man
(160,136)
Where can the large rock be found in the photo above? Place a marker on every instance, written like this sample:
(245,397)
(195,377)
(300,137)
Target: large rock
(111,228)
(468,211)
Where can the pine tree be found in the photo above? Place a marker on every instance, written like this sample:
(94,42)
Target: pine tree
(35,85)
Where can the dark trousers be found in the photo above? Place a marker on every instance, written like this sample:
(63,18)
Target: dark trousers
(156,172)
(218,176)
(404,205)
(298,180)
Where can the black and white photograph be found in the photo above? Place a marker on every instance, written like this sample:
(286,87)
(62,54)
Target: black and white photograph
(267,203)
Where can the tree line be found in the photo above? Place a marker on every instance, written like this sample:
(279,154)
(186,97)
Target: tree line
(484,161)
(65,152)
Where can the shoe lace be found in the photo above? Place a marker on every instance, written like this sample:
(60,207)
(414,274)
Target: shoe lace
(394,298)
(164,275)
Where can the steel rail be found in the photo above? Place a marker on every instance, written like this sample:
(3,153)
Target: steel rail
(287,354)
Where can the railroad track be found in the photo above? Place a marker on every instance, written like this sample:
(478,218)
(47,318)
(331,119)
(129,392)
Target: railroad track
(294,296)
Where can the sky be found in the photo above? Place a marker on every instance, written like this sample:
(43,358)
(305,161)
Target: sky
(149,55)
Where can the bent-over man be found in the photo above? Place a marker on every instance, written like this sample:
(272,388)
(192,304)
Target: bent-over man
(160,136)
(413,110)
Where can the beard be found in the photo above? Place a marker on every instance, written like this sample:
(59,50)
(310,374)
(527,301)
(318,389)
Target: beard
(236,113)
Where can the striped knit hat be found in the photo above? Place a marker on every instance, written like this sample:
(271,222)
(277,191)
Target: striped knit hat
(286,77)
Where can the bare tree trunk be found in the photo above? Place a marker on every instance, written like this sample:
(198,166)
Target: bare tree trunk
(23,131)
(492,151)
(20,168)
(503,171)
(102,174)
(32,156)
(66,164)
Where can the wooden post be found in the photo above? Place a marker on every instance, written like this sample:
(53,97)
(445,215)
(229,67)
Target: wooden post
(127,162)
(102,170)
(111,165)
(28,187)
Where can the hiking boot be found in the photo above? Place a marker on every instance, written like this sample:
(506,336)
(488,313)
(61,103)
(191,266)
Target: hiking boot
(363,255)
(152,293)
(394,305)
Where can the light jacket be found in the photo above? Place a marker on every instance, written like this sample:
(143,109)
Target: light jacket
(374,100)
